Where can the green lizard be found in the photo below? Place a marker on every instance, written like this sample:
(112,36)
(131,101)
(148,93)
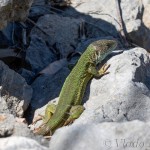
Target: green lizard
(69,106)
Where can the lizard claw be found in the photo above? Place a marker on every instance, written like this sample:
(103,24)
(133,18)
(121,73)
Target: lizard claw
(103,70)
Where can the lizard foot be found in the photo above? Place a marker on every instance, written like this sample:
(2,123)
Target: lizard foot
(43,130)
(74,113)
(103,70)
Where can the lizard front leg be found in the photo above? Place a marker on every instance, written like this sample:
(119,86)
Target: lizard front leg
(74,113)
(103,71)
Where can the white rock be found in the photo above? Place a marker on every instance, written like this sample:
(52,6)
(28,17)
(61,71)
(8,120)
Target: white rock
(105,136)
(20,143)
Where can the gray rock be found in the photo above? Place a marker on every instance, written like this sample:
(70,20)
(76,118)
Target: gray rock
(13,126)
(105,136)
(103,19)
(62,32)
(20,143)
(13,10)
(47,87)
(38,54)
(122,95)
(99,21)
(145,2)
(7,122)
(28,75)
(9,126)
(15,93)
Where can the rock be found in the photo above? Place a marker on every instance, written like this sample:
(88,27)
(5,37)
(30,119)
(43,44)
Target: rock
(62,32)
(96,25)
(114,136)
(146,17)
(20,143)
(7,122)
(145,2)
(38,54)
(28,75)
(47,87)
(15,93)
(12,126)
(13,11)
(38,9)
(122,95)
(101,19)
(9,126)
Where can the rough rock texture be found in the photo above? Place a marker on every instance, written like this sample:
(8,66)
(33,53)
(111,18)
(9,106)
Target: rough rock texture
(53,25)
(103,15)
(10,126)
(48,87)
(20,143)
(122,95)
(114,136)
(146,17)
(145,2)
(13,10)
(15,93)
(38,55)
(28,75)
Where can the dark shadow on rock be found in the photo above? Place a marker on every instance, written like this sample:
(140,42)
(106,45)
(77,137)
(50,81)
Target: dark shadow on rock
(94,29)
(45,88)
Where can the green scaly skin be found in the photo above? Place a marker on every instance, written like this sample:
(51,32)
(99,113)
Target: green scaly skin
(75,84)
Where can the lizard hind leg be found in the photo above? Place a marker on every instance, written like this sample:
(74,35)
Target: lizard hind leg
(49,111)
(74,113)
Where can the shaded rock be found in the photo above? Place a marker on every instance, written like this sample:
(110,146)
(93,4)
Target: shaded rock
(114,136)
(97,17)
(62,32)
(20,143)
(47,87)
(28,75)
(103,19)
(15,93)
(38,54)
(13,11)
(39,9)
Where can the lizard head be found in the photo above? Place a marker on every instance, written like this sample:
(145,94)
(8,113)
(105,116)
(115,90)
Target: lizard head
(102,48)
